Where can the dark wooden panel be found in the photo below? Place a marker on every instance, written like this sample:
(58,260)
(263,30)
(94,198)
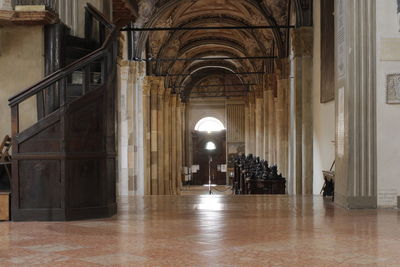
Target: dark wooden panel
(39,184)
(84,182)
(48,140)
(86,128)
(327,51)
(201,157)
(111,181)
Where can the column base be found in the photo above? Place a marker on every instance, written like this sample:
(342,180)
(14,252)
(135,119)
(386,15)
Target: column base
(356,202)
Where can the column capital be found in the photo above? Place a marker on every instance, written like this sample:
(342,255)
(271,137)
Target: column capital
(146,86)
(282,68)
(168,94)
(251,98)
(302,41)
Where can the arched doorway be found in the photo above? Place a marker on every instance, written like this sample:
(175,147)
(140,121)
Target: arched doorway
(209,151)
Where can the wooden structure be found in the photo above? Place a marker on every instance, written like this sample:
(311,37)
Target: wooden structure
(254,176)
(201,157)
(63,166)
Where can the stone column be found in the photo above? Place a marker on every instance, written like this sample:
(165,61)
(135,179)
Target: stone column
(147,135)
(180,145)
(167,142)
(271,126)
(252,123)
(5,5)
(247,129)
(124,73)
(302,46)
(355,180)
(265,122)
(259,120)
(154,137)
(139,134)
(173,156)
(282,77)
(160,138)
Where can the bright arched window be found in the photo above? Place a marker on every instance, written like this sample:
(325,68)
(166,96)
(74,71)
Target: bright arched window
(209,124)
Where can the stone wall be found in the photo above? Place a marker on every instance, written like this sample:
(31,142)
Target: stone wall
(323,113)
(388,115)
(21,65)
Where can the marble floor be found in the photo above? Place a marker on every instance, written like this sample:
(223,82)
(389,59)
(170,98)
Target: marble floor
(216,230)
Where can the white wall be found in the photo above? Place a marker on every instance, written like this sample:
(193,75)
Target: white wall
(388,116)
(323,114)
(21,65)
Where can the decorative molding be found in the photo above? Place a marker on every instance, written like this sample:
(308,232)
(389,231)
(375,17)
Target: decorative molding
(28,17)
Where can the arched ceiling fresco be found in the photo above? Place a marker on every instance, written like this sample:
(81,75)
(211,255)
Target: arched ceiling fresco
(212,43)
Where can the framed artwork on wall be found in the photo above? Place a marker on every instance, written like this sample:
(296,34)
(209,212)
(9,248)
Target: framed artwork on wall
(398,12)
(393,88)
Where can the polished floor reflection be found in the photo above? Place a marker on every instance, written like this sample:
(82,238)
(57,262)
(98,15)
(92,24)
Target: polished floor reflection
(211,231)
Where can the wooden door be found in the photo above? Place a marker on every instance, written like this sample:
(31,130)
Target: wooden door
(201,157)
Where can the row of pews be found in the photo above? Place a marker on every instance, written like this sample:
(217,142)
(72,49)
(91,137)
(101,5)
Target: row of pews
(254,176)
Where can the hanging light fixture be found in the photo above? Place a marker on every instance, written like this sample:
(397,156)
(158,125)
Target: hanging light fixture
(210,146)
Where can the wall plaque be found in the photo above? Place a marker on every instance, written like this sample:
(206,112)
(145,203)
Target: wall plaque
(393,88)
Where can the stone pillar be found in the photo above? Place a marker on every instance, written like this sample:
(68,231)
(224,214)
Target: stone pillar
(180,142)
(123,136)
(259,120)
(160,139)
(167,142)
(265,122)
(282,77)
(154,136)
(355,180)
(174,134)
(302,46)
(271,126)
(247,129)
(5,5)
(252,123)
(147,135)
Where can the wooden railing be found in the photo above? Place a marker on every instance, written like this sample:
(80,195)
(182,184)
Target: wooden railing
(98,63)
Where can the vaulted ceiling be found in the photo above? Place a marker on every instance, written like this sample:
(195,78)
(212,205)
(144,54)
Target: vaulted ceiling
(201,43)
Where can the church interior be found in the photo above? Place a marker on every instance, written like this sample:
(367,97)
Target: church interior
(199,132)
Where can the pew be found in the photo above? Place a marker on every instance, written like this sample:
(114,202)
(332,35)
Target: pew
(252,175)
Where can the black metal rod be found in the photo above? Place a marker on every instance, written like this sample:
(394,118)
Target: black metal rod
(201,59)
(208,28)
(218,85)
(190,74)
(209,96)
(215,92)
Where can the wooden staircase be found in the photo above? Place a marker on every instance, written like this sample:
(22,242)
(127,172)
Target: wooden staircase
(63,166)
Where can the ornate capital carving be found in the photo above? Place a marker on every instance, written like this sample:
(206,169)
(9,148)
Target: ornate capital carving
(282,68)
(302,41)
